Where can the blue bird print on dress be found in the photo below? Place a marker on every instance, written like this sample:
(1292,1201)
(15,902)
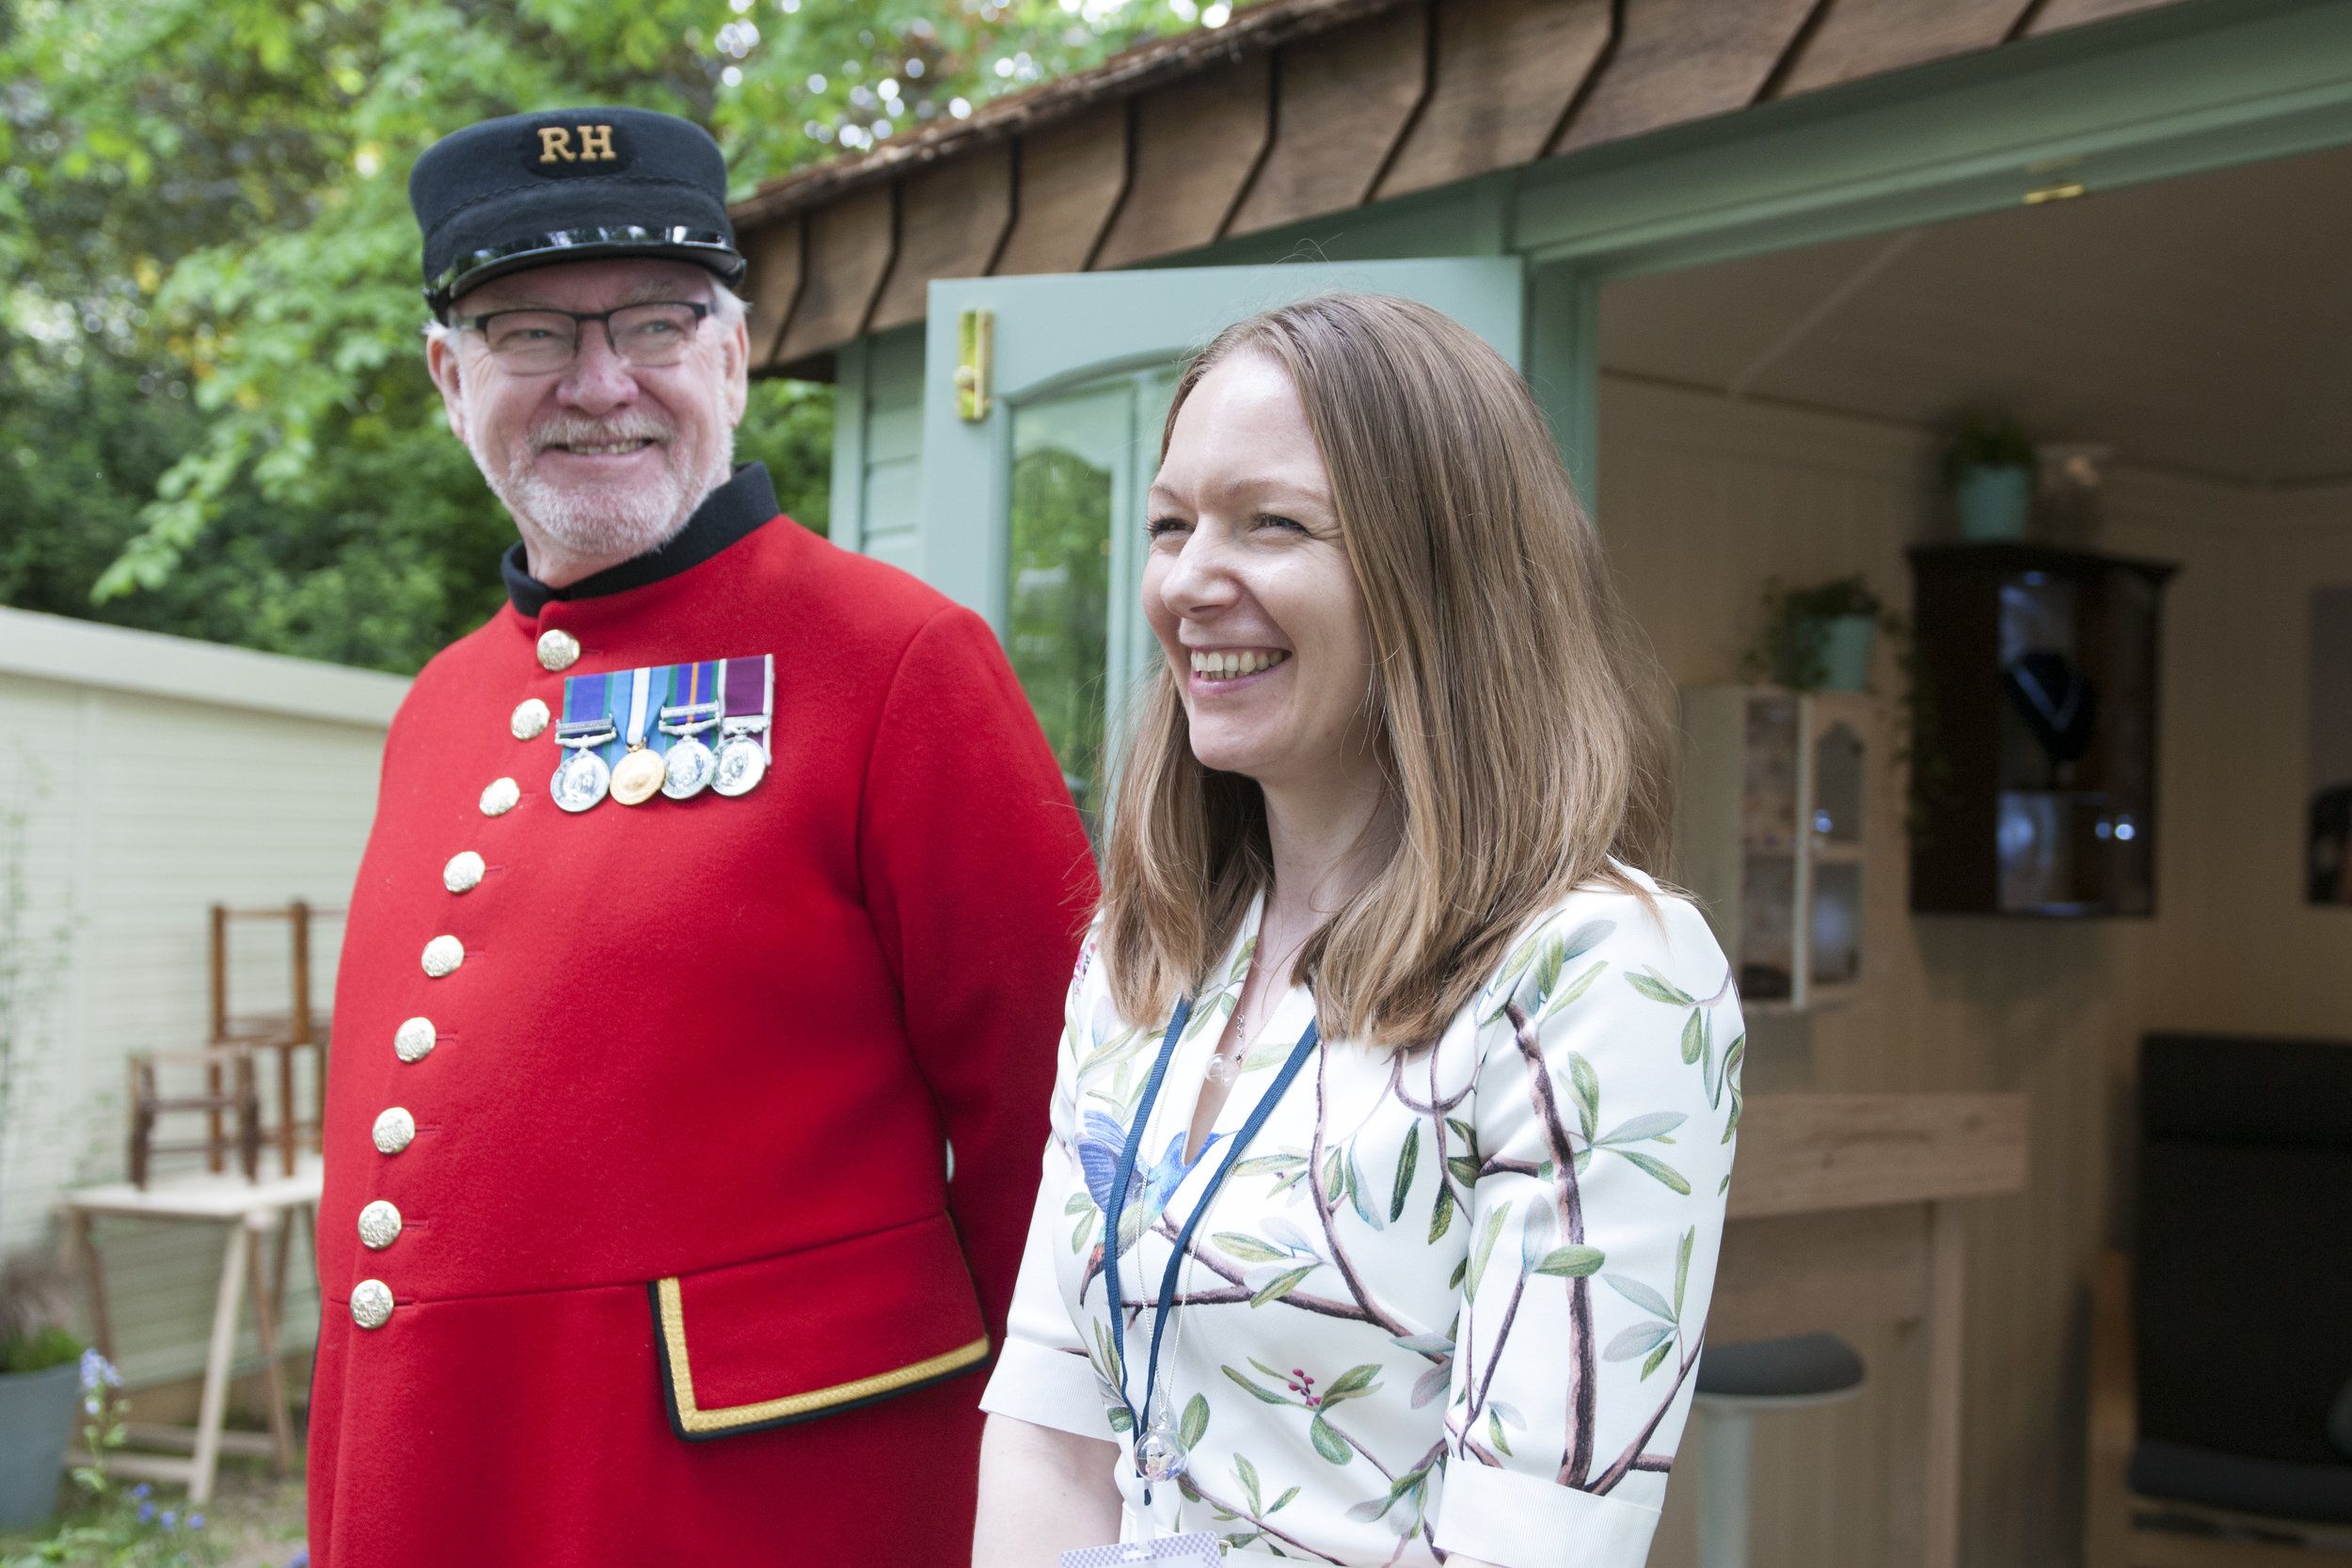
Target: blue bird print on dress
(1149,1187)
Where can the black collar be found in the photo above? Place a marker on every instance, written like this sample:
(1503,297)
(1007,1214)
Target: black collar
(726,514)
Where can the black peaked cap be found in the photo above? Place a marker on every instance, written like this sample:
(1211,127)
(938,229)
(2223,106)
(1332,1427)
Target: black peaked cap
(569,185)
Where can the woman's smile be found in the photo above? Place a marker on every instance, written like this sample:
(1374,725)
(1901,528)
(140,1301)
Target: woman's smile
(1227,670)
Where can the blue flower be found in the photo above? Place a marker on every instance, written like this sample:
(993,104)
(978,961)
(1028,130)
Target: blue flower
(170,1519)
(195,1521)
(146,1513)
(142,1490)
(98,1371)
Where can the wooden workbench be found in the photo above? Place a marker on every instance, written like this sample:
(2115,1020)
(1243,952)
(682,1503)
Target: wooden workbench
(1845,1210)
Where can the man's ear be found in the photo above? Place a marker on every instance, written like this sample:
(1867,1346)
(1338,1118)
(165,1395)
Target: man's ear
(440,358)
(735,348)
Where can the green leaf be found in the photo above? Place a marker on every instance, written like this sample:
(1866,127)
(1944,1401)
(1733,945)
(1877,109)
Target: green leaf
(1487,1246)
(1465,1132)
(1078,1236)
(1355,1383)
(1682,1268)
(1453,1280)
(1407,1161)
(1656,1168)
(1328,1443)
(1585,1084)
(1334,1178)
(1248,1248)
(1494,1433)
(1120,1419)
(1442,1214)
(1366,1210)
(1248,1474)
(1589,936)
(1693,1035)
(1658,989)
(1655,1357)
(1536,1232)
(1640,1296)
(1260,1393)
(1259,1165)
(1282,1285)
(1577,988)
(1655,1124)
(1572,1262)
(1078,1203)
(1194,1424)
(1638,1341)
(1284,1500)
(1555,954)
(1464,1170)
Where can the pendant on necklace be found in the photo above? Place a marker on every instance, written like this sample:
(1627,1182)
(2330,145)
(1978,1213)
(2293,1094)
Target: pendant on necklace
(1160,1456)
(1222,1070)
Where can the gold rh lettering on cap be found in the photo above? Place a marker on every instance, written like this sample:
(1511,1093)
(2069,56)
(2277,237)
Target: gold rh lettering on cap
(595,144)
(556,143)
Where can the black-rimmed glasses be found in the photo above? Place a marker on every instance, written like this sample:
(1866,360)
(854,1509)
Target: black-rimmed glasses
(532,342)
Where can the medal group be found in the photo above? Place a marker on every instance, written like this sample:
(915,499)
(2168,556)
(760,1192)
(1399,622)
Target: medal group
(667,729)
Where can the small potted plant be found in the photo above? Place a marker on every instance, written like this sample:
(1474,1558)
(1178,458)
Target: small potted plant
(1819,639)
(1989,470)
(40,1386)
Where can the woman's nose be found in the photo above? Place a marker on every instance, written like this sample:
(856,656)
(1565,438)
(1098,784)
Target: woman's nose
(1201,578)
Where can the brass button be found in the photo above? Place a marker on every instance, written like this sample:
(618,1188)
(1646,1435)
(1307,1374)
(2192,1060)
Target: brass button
(558,650)
(442,955)
(395,1129)
(462,873)
(380,1225)
(501,796)
(529,721)
(413,1040)
(371,1304)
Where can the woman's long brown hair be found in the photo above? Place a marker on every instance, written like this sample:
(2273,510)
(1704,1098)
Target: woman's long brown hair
(1522,721)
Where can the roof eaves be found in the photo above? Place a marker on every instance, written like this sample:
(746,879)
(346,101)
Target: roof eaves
(1152,63)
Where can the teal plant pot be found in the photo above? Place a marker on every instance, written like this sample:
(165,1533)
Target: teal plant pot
(37,1411)
(1996,501)
(1845,642)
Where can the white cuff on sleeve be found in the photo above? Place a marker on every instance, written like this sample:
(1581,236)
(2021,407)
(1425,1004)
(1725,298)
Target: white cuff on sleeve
(1047,1388)
(1516,1521)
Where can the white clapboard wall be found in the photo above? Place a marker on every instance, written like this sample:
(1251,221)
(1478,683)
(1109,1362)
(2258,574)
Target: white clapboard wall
(142,780)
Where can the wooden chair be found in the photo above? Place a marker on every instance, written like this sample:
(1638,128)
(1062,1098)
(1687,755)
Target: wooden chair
(2217,1351)
(230,1093)
(282,1036)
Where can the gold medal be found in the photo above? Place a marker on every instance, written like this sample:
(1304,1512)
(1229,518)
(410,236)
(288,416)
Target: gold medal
(637,777)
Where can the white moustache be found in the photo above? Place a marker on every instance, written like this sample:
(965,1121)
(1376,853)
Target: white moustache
(600,432)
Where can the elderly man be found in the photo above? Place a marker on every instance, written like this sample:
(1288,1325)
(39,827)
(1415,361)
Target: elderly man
(695,1024)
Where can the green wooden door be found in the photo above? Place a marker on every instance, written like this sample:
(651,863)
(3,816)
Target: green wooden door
(1033,513)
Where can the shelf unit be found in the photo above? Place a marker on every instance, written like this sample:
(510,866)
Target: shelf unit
(1773,834)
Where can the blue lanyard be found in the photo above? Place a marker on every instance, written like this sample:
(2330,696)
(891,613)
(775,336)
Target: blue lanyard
(1249,1130)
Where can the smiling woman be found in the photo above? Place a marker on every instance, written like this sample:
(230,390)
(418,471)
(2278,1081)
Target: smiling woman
(1380,827)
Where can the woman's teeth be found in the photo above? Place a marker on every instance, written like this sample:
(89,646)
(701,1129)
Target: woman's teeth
(1225,666)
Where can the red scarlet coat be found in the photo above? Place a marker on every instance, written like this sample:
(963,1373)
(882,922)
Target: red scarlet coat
(720,1043)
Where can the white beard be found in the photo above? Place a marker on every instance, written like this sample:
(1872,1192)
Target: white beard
(599,522)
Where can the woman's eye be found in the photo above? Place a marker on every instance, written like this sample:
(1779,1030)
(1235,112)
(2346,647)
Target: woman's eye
(1159,526)
(1268,520)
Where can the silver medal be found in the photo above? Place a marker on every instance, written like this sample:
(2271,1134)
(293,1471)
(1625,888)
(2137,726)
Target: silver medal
(692,767)
(581,782)
(742,762)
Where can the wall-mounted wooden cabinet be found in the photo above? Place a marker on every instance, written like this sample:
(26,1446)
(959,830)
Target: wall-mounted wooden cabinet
(1773,833)
(2035,760)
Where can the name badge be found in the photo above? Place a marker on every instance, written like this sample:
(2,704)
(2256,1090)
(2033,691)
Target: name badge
(1197,1549)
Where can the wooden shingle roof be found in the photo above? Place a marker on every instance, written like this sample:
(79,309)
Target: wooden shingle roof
(1297,109)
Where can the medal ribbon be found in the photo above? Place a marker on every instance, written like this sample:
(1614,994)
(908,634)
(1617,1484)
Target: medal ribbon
(586,699)
(1125,1173)
(642,702)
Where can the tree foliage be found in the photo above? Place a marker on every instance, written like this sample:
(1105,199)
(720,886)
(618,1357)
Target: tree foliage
(214,414)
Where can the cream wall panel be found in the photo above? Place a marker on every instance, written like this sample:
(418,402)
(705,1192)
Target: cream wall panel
(1702,498)
(141,811)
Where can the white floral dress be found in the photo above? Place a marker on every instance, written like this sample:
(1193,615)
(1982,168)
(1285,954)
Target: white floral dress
(1450,1300)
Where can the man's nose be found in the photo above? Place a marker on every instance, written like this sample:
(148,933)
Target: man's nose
(598,379)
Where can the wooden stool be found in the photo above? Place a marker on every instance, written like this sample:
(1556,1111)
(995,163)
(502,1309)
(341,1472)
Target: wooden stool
(230,1091)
